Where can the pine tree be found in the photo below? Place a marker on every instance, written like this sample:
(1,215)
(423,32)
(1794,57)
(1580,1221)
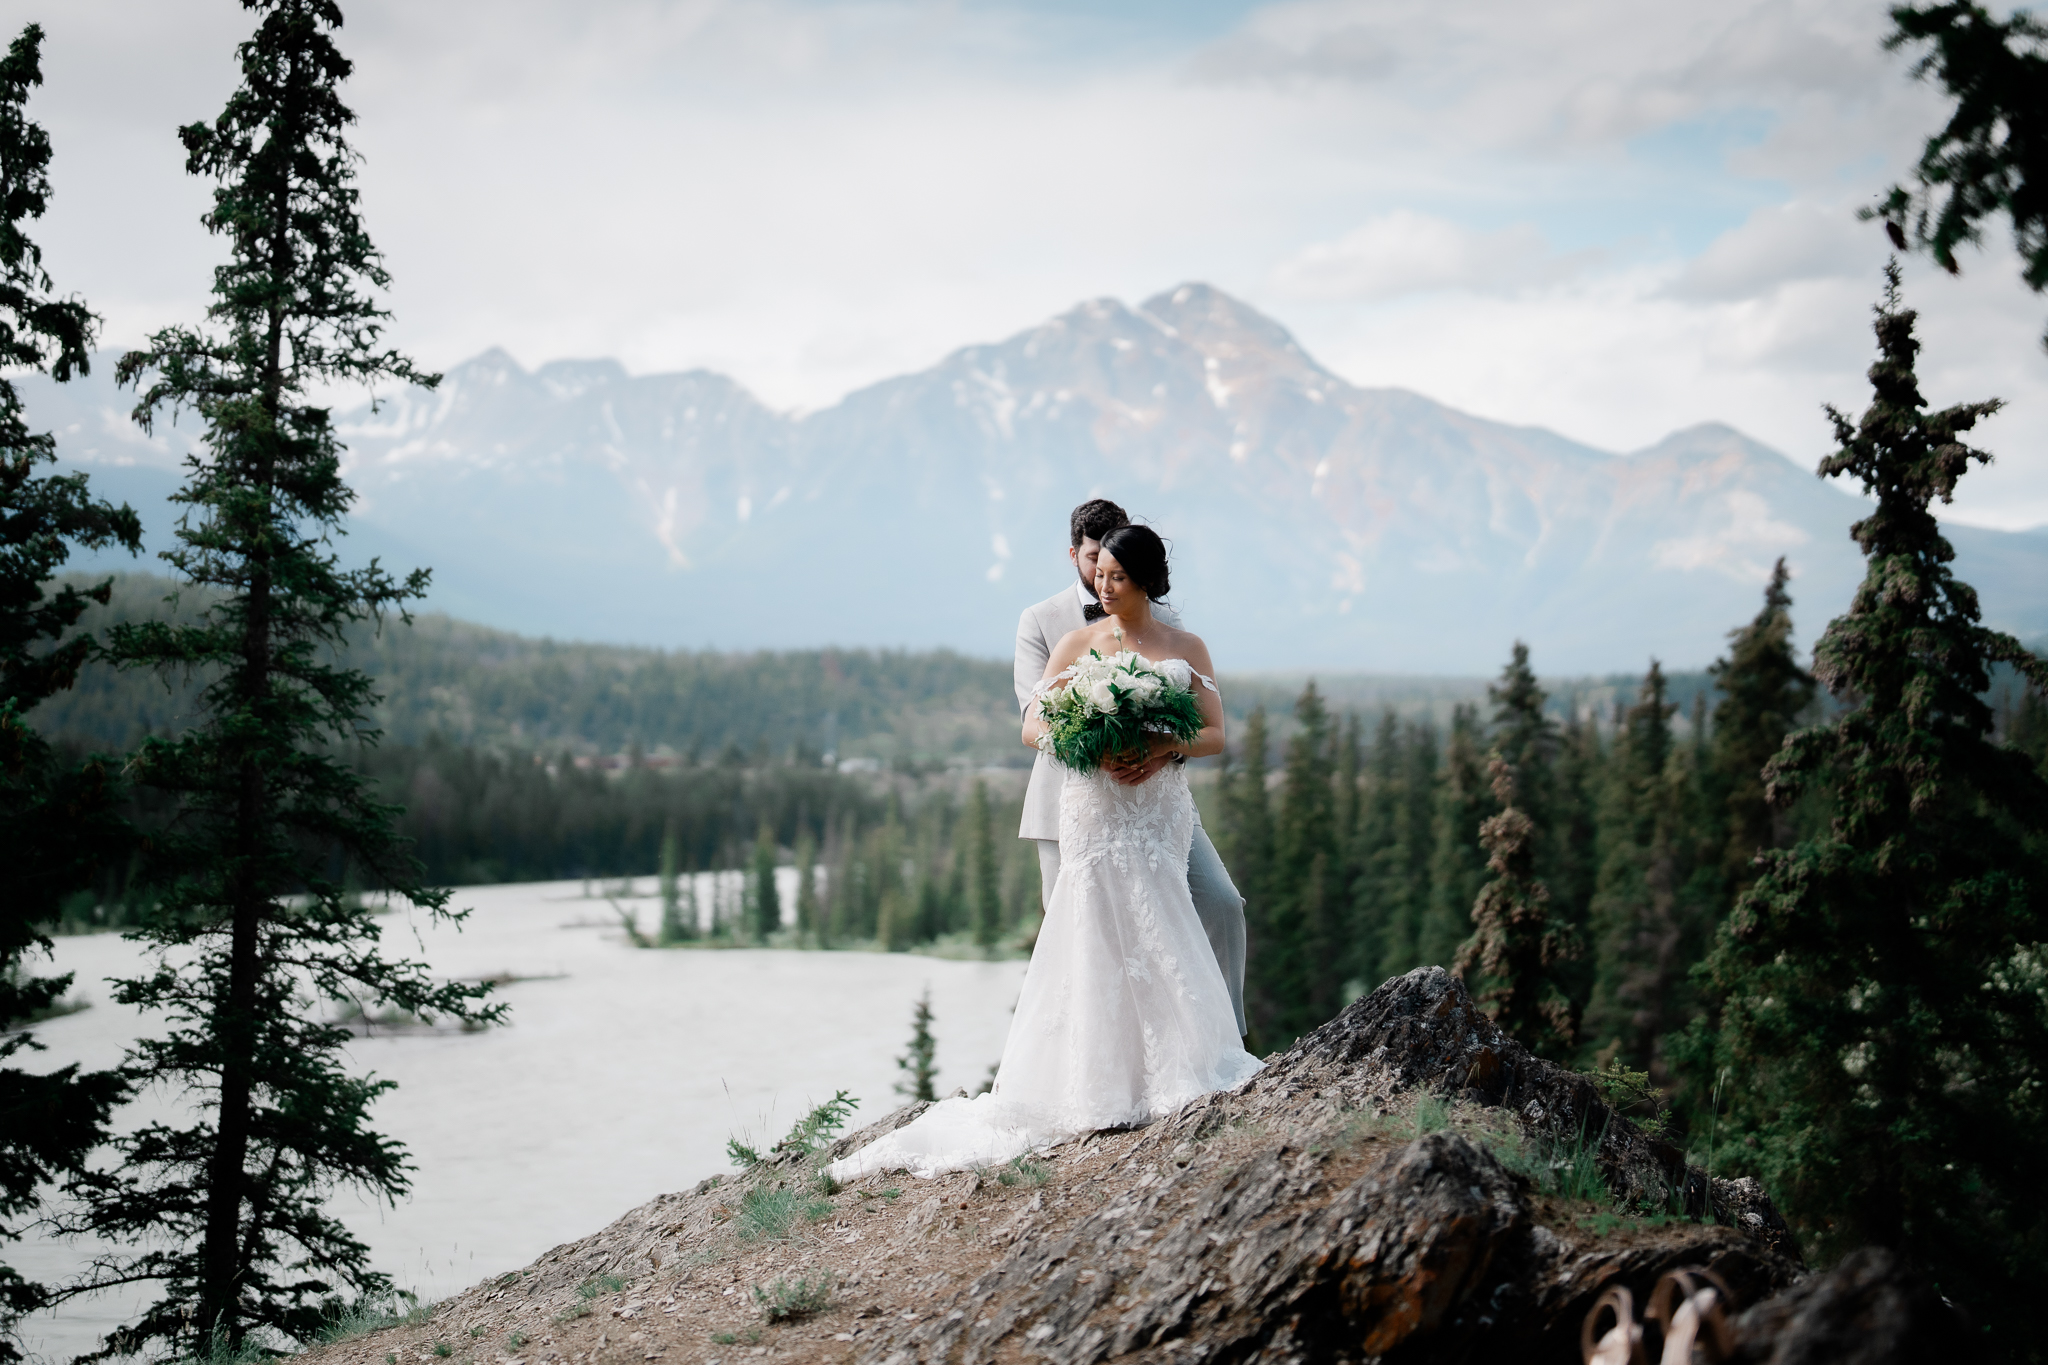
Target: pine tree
(916,1064)
(1570,863)
(1305,894)
(231,1197)
(763,902)
(1763,692)
(1524,733)
(1884,1020)
(895,920)
(673,930)
(808,923)
(1635,918)
(1246,846)
(1514,952)
(1407,861)
(984,886)
(57,821)
(1464,800)
(1378,906)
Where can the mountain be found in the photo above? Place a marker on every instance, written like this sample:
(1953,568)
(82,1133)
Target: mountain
(1315,523)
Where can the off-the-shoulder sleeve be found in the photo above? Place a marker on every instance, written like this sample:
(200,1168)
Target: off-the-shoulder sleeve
(1207,681)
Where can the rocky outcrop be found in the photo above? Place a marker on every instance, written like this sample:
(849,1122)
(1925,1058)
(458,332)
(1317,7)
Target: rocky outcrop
(1871,1309)
(1328,1241)
(1422,1031)
(1405,1184)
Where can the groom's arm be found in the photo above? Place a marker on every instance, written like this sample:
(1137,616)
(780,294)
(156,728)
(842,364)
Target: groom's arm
(1033,649)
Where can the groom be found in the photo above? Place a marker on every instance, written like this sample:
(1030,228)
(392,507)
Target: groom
(1038,630)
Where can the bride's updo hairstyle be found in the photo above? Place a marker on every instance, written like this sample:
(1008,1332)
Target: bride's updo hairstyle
(1143,556)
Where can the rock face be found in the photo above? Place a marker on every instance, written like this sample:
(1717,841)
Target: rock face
(1405,1184)
(1423,1031)
(1324,1246)
(1869,1310)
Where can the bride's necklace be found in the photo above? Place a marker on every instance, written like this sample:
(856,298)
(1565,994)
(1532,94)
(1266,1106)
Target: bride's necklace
(1121,642)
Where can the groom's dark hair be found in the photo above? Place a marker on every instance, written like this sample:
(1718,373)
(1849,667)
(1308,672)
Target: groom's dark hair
(1093,520)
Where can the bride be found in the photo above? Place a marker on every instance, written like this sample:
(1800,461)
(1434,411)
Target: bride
(1124,1015)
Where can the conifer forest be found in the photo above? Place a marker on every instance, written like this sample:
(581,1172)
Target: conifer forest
(1794,910)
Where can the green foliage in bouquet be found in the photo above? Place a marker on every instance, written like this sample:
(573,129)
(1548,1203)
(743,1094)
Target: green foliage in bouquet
(1109,706)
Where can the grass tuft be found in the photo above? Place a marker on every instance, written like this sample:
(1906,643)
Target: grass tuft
(768,1212)
(347,1322)
(219,1352)
(1024,1171)
(599,1285)
(787,1300)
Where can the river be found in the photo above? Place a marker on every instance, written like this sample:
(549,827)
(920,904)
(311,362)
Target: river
(621,1075)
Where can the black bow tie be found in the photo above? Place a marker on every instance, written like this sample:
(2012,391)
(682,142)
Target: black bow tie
(1093,612)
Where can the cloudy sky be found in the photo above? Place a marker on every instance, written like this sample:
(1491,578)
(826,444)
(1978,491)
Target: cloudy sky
(1609,218)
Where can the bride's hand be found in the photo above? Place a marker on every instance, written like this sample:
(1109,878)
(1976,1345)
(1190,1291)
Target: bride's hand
(1135,773)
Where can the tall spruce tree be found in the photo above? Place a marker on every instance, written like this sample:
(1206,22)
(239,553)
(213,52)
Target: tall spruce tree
(1247,847)
(1524,732)
(1515,951)
(917,1063)
(1570,850)
(57,820)
(271,822)
(1379,909)
(808,926)
(1635,917)
(1763,693)
(1413,847)
(1884,1019)
(1464,800)
(1306,894)
(763,901)
(984,876)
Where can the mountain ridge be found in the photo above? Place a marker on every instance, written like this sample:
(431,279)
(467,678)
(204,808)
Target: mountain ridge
(1316,523)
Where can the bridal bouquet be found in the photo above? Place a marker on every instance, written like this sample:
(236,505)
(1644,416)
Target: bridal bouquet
(1102,707)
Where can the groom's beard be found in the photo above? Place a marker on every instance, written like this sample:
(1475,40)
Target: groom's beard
(1087,585)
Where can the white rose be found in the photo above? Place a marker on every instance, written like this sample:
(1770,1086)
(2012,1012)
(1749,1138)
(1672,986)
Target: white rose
(1177,672)
(1146,686)
(1101,697)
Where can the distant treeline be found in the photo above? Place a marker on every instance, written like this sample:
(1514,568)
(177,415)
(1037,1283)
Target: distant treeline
(448,680)
(907,859)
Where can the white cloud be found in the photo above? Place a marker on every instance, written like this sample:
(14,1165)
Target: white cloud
(1404,252)
(1780,243)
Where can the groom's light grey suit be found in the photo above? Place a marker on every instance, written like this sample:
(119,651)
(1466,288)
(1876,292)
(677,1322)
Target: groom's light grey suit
(1216,900)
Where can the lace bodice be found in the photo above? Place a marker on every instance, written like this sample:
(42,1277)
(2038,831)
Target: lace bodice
(1149,826)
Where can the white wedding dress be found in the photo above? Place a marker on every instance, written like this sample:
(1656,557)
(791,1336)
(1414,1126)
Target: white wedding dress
(1124,1015)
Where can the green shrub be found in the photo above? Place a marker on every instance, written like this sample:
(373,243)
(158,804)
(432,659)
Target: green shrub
(786,1300)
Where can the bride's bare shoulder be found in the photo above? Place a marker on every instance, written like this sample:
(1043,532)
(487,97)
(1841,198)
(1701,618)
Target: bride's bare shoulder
(1068,648)
(1196,651)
